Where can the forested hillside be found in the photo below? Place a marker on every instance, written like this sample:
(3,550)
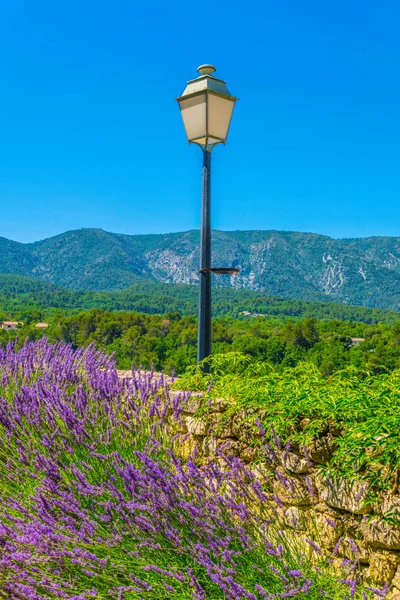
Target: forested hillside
(294,265)
(18,295)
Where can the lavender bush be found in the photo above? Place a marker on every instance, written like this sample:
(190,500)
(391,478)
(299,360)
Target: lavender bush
(94,503)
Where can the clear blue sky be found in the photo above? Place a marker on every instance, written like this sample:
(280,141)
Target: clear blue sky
(90,134)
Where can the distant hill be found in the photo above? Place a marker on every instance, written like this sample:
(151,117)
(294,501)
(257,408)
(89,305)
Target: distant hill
(304,266)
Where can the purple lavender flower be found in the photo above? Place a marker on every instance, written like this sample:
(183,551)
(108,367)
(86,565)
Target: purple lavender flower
(91,486)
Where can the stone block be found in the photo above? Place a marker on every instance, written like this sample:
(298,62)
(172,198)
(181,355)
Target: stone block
(243,430)
(354,550)
(292,490)
(262,472)
(327,530)
(390,507)
(248,453)
(344,494)
(344,570)
(296,518)
(378,533)
(209,446)
(217,405)
(229,447)
(193,404)
(197,426)
(321,449)
(294,463)
(197,400)
(383,567)
(184,446)
(394,594)
(396,580)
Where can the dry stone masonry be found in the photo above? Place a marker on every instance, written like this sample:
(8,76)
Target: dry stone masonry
(333,511)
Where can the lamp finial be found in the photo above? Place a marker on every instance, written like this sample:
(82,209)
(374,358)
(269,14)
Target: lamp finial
(206,69)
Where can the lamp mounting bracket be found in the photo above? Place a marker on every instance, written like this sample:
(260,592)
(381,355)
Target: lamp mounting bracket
(221,271)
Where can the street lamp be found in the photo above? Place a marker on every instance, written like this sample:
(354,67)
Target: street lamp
(206,108)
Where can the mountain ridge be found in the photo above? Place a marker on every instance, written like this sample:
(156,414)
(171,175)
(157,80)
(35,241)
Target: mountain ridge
(138,235)
(306,266)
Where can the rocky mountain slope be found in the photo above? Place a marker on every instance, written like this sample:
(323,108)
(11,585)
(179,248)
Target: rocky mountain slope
(306,266)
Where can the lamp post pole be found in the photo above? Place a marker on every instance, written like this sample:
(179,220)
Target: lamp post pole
(206,108)
(204,327)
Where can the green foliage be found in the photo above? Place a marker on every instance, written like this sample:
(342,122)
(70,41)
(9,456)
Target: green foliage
(169,341)
(356,414)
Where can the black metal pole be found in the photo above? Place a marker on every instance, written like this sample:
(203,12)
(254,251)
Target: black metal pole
(204,331)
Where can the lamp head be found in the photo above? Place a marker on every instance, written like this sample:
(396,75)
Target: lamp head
(206,108)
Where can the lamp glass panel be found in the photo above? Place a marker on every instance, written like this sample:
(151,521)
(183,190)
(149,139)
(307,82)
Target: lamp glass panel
(219,115)
(193,111)
(212,140)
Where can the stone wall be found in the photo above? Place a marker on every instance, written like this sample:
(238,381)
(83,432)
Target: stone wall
(331,511)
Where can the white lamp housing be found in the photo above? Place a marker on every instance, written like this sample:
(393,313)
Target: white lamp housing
(206,108)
